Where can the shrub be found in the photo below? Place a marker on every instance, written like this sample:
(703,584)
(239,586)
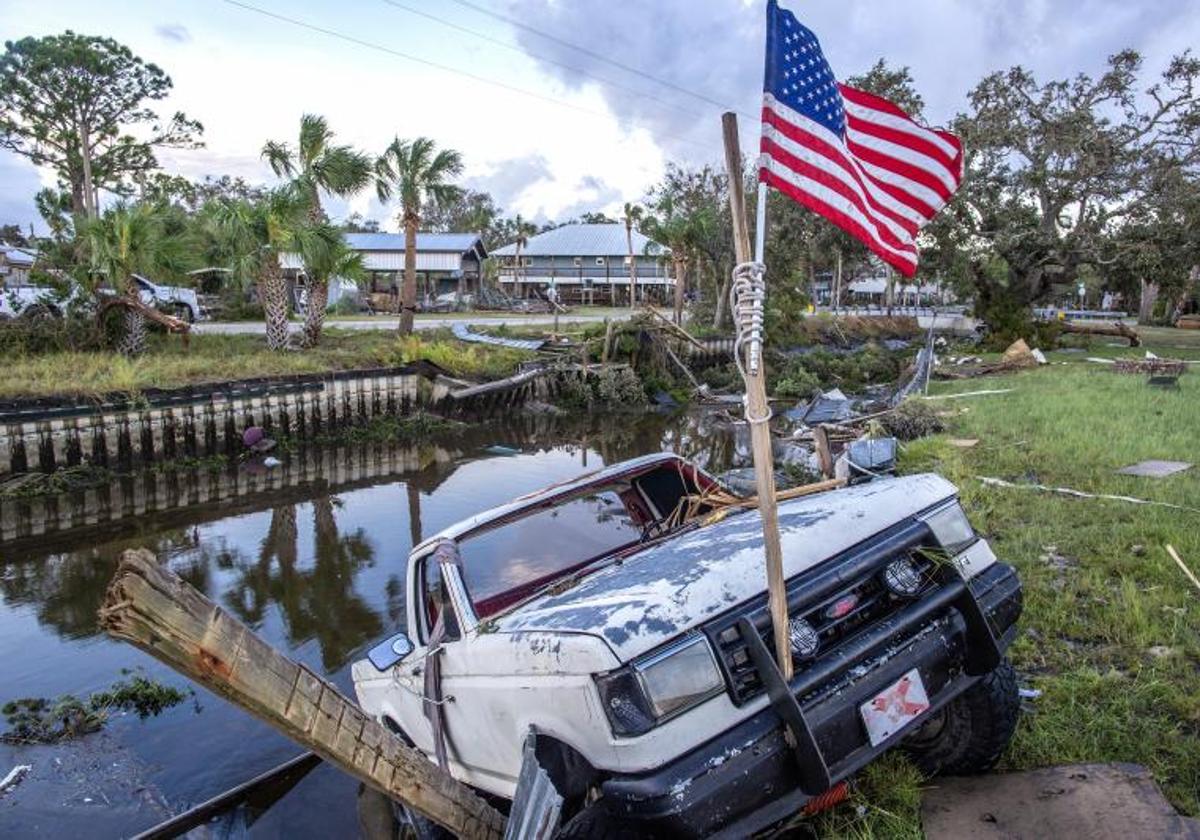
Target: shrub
(912,419)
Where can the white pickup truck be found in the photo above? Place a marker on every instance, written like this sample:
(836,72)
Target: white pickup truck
(32,300)
(635,645)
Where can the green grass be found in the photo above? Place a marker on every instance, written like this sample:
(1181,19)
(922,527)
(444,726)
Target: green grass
(1111,628)
(221,358)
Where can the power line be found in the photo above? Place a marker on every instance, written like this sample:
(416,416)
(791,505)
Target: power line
(542,57)
(601,57)
(438,66)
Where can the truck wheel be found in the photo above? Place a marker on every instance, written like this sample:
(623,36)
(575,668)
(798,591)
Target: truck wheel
(970,732)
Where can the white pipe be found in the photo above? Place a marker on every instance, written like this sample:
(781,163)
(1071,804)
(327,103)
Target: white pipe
(760,223)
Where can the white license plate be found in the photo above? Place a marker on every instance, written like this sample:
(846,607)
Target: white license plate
(895,707)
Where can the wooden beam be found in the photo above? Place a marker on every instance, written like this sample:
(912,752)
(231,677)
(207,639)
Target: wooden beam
(153,609)
(757,406)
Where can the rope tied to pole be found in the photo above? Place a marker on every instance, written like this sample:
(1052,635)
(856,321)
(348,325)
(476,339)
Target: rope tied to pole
(747,299)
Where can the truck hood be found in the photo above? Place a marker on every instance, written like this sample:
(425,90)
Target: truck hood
(676,585)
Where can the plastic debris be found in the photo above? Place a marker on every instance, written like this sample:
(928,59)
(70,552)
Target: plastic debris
(270,462)
(1029,693)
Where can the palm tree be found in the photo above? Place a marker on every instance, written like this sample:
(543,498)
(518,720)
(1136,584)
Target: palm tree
(415,171)
(326,256)
(257,234)
(314,167)
(130,239)
(679,229)
(633,215)
(523,231)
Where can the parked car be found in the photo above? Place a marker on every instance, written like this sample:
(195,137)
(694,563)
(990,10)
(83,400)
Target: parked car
(635,645)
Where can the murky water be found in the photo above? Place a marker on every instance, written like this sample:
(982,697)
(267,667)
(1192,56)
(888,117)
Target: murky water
(317,569)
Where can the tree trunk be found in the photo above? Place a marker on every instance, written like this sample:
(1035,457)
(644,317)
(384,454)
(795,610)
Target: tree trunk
(154,610)
(408,298)
(722,297)
(837,284)
(314,318)
(272,289)
(680,281)
(632,266)
(518,271)
(133,342)
(1146,307)
(85,155)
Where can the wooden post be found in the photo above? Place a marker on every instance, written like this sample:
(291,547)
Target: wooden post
(824,455)
(757,406)
(154,610)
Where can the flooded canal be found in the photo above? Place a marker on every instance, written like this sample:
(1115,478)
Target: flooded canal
(316,567)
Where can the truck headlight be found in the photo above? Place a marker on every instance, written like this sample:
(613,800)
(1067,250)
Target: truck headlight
(951,528)
(657,687)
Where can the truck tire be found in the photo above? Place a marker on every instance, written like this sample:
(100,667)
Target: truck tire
(593,823)
(968,735)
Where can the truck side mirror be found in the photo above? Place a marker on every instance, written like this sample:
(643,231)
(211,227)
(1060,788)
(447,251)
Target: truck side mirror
(390,651)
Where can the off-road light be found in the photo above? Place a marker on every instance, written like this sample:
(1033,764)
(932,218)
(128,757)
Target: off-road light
(901,578)
(802,638)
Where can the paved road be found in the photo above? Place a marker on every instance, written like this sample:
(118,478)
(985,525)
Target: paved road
(258,327)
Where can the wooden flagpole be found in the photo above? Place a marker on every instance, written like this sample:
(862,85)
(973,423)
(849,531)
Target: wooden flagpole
(757,406)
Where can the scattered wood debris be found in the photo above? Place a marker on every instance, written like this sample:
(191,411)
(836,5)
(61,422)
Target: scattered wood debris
(1153,366)
(1018,356)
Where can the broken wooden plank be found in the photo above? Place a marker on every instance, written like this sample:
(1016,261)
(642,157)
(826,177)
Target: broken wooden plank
(1179,561)
(156,611)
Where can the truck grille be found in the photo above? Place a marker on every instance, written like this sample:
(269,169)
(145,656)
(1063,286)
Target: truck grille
(840,598)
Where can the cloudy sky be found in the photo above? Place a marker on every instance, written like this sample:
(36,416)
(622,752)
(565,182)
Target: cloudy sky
(558,106)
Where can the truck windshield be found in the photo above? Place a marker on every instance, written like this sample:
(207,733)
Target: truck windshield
(505,564)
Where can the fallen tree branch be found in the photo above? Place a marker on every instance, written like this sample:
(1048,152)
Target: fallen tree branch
(1116,330)
(169,322)
(153,609)
(1079,494)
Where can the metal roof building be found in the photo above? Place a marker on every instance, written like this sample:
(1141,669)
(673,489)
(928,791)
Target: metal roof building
(600,240)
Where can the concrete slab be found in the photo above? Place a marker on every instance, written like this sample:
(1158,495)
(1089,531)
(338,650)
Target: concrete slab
(1097,801)
(1155,469)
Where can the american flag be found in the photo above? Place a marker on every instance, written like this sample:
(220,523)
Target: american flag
(854,158)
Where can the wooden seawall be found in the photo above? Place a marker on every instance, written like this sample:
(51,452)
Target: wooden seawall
(124,433)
